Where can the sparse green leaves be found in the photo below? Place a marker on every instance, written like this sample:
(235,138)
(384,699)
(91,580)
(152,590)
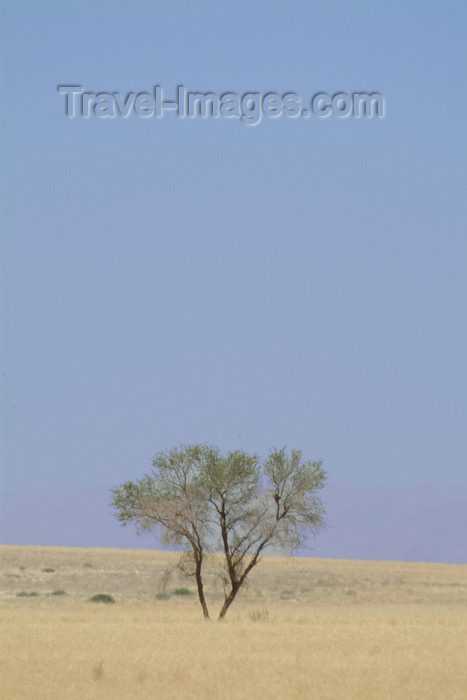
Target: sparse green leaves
(294,485)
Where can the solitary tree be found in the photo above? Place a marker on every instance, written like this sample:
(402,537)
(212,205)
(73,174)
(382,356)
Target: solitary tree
(205,501)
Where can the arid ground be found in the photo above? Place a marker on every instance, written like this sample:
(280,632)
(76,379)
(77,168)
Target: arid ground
(304,628)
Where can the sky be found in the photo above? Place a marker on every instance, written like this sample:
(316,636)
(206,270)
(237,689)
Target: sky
(298,283)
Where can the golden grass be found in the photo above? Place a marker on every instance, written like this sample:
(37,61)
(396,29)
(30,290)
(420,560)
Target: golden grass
(295,633)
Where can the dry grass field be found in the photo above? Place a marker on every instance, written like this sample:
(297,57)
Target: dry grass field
(304,628)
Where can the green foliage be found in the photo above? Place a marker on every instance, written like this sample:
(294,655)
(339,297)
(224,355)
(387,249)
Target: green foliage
(59,591)
(48,570)
(88,564)
(27,594)
(163,596)
(182,591)
(259,615)
(287,595)
(294,489)
(102,598)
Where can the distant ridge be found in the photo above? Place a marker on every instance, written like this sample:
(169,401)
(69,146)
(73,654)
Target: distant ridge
(424,523)
(414,523)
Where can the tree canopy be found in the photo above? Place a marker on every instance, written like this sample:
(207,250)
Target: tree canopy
(203,501)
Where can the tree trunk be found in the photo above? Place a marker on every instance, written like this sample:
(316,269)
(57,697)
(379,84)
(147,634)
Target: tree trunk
(238,583)
(228,601)
(199,583)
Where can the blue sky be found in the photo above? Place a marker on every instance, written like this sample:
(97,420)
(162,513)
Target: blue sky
(297,283)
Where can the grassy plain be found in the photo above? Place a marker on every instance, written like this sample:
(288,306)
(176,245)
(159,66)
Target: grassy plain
(304,628)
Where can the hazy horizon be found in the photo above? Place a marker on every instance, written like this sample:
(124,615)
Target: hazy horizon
(391,524)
